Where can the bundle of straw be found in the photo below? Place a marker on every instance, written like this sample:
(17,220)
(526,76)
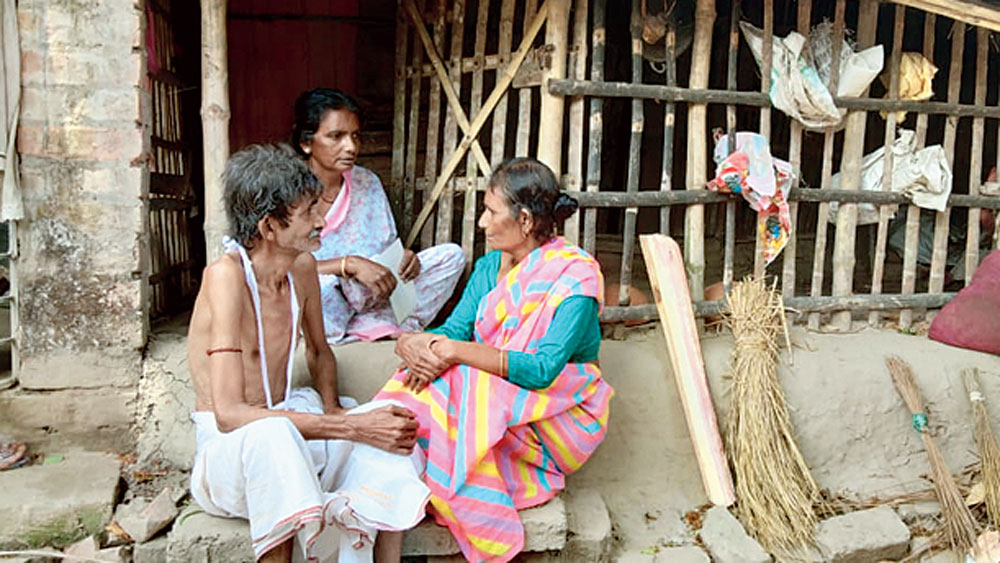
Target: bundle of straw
(959,525)
(775,492)
(989,452)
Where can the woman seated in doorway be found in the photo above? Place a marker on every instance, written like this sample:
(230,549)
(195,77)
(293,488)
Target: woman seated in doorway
(508,392)
(359,226)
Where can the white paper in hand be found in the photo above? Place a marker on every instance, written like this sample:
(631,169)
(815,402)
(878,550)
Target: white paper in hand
(404,298)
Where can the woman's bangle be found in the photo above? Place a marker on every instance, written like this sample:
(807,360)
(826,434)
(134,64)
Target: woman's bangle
(502,356)
(343,266)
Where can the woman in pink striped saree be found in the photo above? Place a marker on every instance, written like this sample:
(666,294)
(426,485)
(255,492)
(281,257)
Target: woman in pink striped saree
(508,391)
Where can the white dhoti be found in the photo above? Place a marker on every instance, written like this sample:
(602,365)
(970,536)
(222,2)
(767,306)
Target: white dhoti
(332,495)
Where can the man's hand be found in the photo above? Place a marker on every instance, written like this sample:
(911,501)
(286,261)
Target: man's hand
(390,428)
(409,267)
(425,366)
(376,277)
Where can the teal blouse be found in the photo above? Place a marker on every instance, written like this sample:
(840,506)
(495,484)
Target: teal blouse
(574,335)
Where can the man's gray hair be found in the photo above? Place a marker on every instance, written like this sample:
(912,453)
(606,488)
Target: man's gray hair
(262,180)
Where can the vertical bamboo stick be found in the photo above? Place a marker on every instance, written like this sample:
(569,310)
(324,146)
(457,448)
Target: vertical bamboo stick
(445,206)
(909,282)
(214,119)
(472,168)
(729,251)
(399,120)
(976,163)
(694,216)
(823,215)
(499,138)
(524,95)
(885,211)
(596,127)
(634,159)
(942,221)
(765,112)
(574,156)
(433,123)
(795,158)
(669,118)
(850,173)
(413,136)
(553,106)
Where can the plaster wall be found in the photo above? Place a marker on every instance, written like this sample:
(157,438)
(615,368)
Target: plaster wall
(84,177)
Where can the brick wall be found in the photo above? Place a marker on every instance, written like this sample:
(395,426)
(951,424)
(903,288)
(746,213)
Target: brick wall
(84,178)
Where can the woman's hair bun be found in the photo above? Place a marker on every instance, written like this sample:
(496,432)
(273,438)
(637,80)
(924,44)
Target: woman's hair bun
(564,206)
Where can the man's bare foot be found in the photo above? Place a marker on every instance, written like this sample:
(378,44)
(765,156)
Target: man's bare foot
(281,553)
(388,547)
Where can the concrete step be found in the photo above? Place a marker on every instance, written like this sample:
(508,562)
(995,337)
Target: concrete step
(197,536)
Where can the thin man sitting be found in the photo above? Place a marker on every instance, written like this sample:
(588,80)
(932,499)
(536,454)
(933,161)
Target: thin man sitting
(295,462)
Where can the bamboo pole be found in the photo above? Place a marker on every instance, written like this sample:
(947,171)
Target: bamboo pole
(214,120)
(634,160)
(596,127)
(552,106)
(669,119)
(471,178)
(499,136)
(850,169)
(823,214)
(795,159)
(976,164)
(479,120)
(433,114)
(729,251)
(697,145)
(765,112)
(399,121)
(523,137)
(912,238)
(452,87)
(578,68)
(885,211)
(413,135)
(942,219)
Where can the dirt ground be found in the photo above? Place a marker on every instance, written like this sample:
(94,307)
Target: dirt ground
(852,427)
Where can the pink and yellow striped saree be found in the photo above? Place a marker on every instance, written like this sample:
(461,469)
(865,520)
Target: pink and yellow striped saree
(493,447)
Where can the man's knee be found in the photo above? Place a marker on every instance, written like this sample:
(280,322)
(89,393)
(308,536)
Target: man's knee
(272,434)
(452,257)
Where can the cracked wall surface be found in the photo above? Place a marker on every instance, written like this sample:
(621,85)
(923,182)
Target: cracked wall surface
(82,270)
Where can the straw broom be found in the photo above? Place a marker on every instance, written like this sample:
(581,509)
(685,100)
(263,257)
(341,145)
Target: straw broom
(959,525)
(989,452)
(775,492)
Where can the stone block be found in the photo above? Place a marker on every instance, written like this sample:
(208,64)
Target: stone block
(727,541)
(55,504)
(107,23)
(589,537)
(86,548)
(166,398)
(143,519)
(912,512)
(81,370)
(81,104)
(198,536)
(98,418)
(859,537)
(154,551)
(678,554)
(117,554)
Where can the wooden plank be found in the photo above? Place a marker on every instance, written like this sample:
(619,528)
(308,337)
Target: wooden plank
(765,112)
(694,216)
(452,87)
(596,126)
(669,121)
(214,120)
(823,214)
(850,174)
(912,238)
(577,68)
(552,106)
(479,120)
(673,302)
(942,219)
(399,139)
(801,304)
(795,159)
(634,160)
(413,136)
(972,12)
(885,211)
(976,161)
(523,137)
